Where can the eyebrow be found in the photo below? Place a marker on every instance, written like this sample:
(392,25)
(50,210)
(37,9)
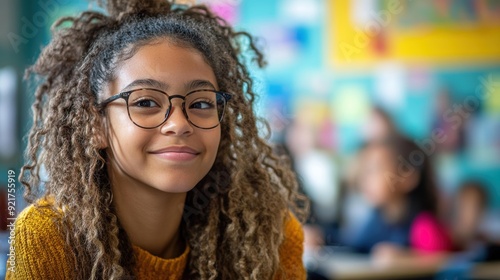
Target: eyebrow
(146,83)
(196,84)
(191,85)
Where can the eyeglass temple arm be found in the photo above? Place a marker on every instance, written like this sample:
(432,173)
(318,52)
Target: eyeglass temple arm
(226,95)
(111,99)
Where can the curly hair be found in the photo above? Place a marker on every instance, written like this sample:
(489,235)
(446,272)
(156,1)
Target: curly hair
(231,215)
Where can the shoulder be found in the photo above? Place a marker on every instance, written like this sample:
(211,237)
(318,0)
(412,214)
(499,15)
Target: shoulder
(293,230)
(38,244)
(425,221)
(291,250)
(40,217)
(38,221)
(428,234)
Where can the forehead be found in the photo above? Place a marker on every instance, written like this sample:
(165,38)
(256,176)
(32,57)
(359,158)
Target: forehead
(172,64)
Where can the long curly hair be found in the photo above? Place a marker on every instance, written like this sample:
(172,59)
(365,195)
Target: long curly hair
(233,218)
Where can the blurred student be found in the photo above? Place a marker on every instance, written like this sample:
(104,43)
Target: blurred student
(396,179)
(470,206)
(469,212)
(470,241)
(354,210)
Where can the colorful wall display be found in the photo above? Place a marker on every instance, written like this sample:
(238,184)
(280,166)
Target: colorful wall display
(437,32)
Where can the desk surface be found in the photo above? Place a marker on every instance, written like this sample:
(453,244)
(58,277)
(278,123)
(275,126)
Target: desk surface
(349,266)
(486,270)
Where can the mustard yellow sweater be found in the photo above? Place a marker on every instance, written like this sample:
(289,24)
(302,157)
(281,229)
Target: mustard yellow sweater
(39,252)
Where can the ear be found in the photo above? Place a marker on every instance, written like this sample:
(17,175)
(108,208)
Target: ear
(100,137)
(102,141)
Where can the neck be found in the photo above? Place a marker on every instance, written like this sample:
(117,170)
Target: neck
(395,210)
(151,218)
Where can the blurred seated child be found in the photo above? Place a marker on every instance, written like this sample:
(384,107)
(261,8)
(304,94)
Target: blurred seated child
(471,204)
(396,179)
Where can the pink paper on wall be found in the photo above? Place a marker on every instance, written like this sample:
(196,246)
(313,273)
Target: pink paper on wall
(228,11)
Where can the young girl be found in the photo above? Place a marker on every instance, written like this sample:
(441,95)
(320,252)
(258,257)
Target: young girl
(143,122)
(471,204)
(396,180)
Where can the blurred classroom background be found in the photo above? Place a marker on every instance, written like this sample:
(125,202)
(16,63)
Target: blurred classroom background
(343,76)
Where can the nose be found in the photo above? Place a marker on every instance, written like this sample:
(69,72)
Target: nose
(176,123)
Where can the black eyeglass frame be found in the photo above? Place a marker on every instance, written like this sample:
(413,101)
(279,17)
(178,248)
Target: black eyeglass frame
(126,94)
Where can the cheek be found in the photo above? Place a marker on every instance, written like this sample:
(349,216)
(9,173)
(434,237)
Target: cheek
(118,123)
(124,137)
(212,141)
(375,188)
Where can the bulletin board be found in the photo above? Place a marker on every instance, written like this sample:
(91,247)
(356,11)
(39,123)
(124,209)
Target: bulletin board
(424,31)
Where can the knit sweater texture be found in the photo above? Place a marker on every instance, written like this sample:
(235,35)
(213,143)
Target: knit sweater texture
(39,252)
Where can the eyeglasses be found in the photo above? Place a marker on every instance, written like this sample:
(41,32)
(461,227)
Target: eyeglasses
(149,108)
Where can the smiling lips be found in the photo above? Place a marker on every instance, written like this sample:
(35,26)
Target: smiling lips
(177,153)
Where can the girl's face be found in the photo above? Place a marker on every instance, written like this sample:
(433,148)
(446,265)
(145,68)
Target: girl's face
(377,175)
(175,156)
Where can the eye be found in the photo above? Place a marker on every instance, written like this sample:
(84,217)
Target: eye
(148,103)
(202,104)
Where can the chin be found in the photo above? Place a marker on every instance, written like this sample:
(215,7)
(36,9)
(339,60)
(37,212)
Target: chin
(175,184)
(175,188)
(175,180)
